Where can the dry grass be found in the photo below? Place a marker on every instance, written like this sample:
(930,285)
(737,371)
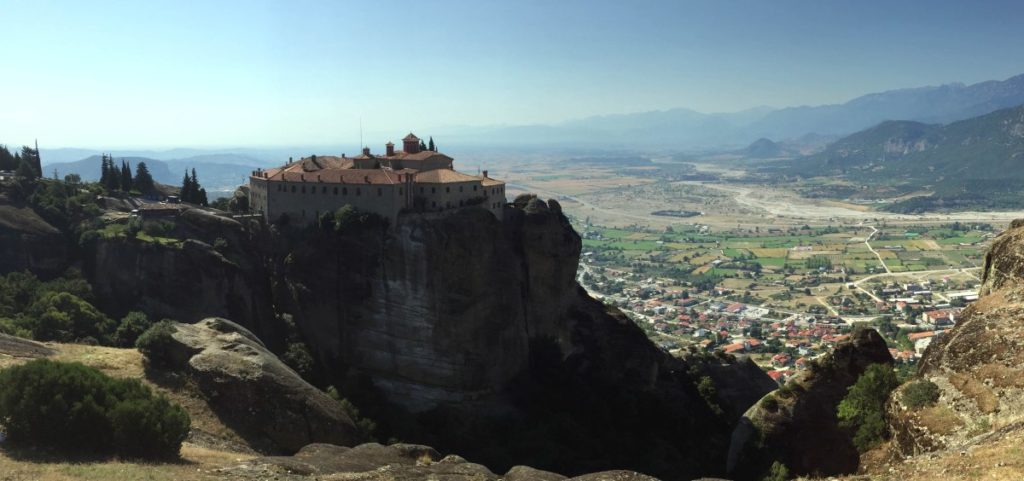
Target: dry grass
(998,460)
(1001,376)
(940,420)
(983,397)
(196,464)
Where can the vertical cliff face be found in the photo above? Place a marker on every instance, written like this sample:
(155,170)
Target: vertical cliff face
(976,366)
(435,310)
(30,243)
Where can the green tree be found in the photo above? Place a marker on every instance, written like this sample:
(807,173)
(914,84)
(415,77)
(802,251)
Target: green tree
(862,411)
(778,472)
(143,180)
(132,326)
(126,176)
(431,145)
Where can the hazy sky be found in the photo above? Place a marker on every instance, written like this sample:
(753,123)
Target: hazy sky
(221,73)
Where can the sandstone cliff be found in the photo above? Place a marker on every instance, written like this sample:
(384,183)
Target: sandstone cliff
(977,365)
(797,424)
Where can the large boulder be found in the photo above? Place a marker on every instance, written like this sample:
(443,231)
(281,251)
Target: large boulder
(251,390)
(797,424)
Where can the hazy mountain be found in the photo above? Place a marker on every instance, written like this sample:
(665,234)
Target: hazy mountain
(763,149)
(987,147)
(688,129)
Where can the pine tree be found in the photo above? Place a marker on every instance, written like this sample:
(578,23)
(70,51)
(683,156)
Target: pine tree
(25,170)
(31,156)
(185,187)
(431,147)
(126,176)
(104,172)
(7,159)
(423,146)
(201,198)
(143,180)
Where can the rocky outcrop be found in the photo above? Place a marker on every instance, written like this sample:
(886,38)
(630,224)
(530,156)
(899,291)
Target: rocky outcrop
(251,390)
(797,424)
(28,242)
(397,462)
(977,365)
(23,348)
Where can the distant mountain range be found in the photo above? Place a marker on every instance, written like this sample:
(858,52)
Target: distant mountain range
(686,129)
(972,163)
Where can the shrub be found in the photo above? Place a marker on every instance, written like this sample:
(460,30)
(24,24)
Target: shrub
(365,426)
(71,408)
(132,325)
(862,410)
(778,472)
(156,342)
(299,358)
(921,393)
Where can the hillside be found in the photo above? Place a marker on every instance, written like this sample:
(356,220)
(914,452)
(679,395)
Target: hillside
(969,163)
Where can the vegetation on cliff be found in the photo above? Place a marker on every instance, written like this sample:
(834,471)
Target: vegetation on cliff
(73,409)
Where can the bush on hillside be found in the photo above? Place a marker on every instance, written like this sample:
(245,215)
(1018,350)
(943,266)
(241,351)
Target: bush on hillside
(921,393)
(71,408)
(132,325)
(156,342)
(862,411)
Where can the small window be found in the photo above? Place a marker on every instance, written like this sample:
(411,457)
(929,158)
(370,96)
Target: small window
(358,191)
(448,189)
(344,191)
(421,190)
(401,191)
(433,190)
(433,204)
(293,189)
(460,203)
(380,191)
(335,191)
(460,188)
(474,188)
(303,189)
(324,191)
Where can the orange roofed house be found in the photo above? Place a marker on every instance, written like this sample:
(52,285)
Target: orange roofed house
(410,180)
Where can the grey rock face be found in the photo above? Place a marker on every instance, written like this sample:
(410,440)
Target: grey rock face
(253,391)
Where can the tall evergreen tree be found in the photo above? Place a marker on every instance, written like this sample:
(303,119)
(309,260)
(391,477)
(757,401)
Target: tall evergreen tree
(25,170)
(201,198)
(31,156)
(430,146)
(7,159)
(143,180)
(104,172)
(423,146)
(185,187)
(126,176)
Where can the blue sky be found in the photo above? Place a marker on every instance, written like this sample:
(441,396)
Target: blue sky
(223,73)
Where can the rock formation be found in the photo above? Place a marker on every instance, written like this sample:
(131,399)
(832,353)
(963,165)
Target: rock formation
(251,390)
(397,462)
(28,242)
(977,365)
(797,424)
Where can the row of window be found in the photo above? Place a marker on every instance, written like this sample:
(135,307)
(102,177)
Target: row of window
(323,190)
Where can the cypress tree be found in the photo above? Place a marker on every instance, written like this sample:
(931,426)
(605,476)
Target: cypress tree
(201,198)
(126,176)
(423,146)
(185,187)
(431,147)
(104,172)
(31,156)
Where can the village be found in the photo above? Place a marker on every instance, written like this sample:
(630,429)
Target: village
(783,316)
